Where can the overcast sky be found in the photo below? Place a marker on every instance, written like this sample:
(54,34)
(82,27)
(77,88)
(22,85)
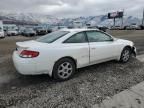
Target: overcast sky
(73,8)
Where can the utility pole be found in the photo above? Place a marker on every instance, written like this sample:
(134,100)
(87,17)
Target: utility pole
(122,23)
(122,19)
(114,23)
(143,18)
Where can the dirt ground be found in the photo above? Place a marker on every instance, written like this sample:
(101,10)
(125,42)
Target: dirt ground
(89,85)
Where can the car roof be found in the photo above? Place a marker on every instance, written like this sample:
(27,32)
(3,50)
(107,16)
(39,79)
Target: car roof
(78,30)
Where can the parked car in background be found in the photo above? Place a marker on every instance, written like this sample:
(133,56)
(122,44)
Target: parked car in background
(92,27)
(49,30)
(56,28)
(11,32)
(29,32)
(60,53)
(103,28)
(133,27)
(1,30)
(142,27)
(20,32)
(10,29)
(62,27)
(41,30)
(116,28)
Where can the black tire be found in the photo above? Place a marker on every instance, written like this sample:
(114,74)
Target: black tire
(125,55)
(57,75)
(2,37)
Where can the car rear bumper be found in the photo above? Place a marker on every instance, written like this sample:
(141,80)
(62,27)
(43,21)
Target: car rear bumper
(2,35)
(26,66)
(30,66)
(11,34)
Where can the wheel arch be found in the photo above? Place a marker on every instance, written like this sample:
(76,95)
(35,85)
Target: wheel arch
(68,57)
(132,48)
(127,46)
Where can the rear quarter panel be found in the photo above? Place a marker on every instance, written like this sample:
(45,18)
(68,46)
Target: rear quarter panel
(49,54)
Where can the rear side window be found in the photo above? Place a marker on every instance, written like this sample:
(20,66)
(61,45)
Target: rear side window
(77,38)
(96,36)
(51,37)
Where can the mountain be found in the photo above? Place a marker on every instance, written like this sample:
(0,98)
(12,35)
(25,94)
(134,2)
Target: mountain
(28,18)
(31,18)
(101,20)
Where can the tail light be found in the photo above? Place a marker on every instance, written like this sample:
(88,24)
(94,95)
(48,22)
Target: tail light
(29,54)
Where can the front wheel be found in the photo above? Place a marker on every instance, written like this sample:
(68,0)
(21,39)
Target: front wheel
(64,69)
(125,55)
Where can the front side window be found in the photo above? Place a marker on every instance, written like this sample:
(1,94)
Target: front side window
(51,37)
(96,36)
(77,38)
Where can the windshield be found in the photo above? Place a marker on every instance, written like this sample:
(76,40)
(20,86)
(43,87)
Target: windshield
(49,38)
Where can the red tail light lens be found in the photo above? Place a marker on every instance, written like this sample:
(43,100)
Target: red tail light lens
(29,54)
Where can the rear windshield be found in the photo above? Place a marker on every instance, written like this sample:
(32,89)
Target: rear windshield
(51,37)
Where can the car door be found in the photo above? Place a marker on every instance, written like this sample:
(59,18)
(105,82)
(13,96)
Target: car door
(78,48)
(102,46)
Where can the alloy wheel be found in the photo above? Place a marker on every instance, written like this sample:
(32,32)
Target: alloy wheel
(126,55)
(65,70)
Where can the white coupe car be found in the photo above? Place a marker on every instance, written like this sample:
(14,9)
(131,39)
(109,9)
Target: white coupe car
(60,53)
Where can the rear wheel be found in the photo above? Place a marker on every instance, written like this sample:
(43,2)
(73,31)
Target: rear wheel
(125,55)
(64,69)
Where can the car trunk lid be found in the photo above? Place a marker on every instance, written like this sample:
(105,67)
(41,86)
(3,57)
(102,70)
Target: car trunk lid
(26,45)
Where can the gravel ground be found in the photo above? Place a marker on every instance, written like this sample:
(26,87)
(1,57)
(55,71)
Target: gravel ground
(89,85)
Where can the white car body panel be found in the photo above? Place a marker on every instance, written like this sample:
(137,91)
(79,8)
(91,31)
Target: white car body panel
(84,54)
(10,32)
(2,34)
(102,50)
(1,29)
